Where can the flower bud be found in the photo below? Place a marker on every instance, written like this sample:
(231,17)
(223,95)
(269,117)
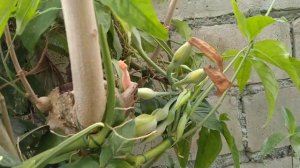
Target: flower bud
(182,98)
(181,125)
(192,77)
(181,55)
(145,124)
(146,93)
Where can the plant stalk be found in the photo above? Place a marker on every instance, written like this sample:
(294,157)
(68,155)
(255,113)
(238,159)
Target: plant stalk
(167,24)
(111,101)
(86,63)
(19,71)
(218,104)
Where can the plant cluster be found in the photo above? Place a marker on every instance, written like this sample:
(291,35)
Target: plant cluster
(98,115)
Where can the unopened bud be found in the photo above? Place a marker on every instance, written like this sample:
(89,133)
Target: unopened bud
(181,55)
(146,93)
(192,77)
(145,124)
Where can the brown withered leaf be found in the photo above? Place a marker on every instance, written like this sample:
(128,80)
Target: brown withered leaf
(208,51)
(218,78)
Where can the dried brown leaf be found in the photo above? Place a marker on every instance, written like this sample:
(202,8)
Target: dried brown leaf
(208,51)
(218,78)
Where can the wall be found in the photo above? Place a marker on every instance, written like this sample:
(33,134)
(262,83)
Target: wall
(213,21)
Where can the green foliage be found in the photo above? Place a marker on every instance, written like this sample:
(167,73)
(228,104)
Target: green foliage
(209,147)
(182,28)
(87,161)
(293,134)
(252,26)
(230,142)
(271,142)
(244,74)
(25,12)
(117,146)
(37,26)
(6,8)
(270,85)
(138,13)
(182,149)
(289,119)
(276,53)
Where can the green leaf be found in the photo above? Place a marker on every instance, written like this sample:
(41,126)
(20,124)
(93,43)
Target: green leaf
(240,18)
(25,12)
(244,73)
(229,54)
(209,147)
(271,142)
(83,162)
(295,142)
(212,122)
(256,24)
(116,42)
(276,53)
(270,84)
(40,24)
(106,155)
(103,16)
(182,149)
(140,14)
(297,130)
(7,160)
(231,144)
(6,8)
(289,119)
(296,64)
(119,163)
(117,146)
(182,28)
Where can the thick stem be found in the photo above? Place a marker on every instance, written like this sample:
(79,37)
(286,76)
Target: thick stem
(86,64)
(167,24)
(152,153)
(111,101)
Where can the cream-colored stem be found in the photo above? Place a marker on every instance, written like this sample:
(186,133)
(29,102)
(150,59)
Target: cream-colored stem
(86,66)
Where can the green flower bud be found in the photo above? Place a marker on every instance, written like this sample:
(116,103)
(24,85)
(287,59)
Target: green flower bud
(181,55)
(144,124)
(182,98)
(146,93)
(192,77)
(181,125)
(159,131)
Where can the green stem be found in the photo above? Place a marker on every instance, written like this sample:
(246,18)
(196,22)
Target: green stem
(111,101)
(150,62)
(218,104)
(153,153)
(207,90)
(68,145)
(270,8)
